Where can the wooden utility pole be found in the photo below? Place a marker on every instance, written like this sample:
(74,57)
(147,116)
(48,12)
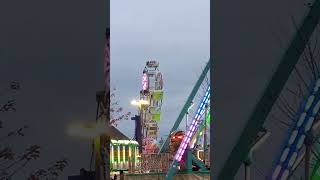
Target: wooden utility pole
(102,141)
(107,101)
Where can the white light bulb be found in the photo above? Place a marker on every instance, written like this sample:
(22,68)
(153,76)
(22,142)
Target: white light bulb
(309,102)
(284,155)
(293,137)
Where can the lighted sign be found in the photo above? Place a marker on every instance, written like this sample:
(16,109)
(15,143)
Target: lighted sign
(152,64)
(144,81)
(123,142)
(159,81)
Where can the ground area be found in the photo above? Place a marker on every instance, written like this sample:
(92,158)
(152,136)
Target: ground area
(158,176)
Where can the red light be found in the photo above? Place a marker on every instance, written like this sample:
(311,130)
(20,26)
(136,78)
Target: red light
(180,137)
(173,137)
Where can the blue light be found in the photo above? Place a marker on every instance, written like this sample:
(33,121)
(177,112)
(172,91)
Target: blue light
(186,139)
(294,142)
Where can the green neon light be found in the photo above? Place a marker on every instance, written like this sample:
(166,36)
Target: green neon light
(112,155)
(155,116)
(157,95)
(196,136)
(202,125)
(315,174)
(121,158)
(118,153)
(155,113)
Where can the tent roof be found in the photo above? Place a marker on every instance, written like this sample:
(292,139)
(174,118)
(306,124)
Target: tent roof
(117,135)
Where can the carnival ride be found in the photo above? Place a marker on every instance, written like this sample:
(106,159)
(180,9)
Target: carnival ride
(123,153)
(203,107)
(145,155)
(176,138)
(293,145)
(151,96)
(180,146)
(301,142)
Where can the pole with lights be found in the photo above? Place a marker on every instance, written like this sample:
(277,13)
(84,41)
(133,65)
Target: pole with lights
(138,121)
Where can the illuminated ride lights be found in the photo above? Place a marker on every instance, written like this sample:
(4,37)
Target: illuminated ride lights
(118,160)
(194,138)
(144,81)
(186,138)
(151,96)
(310,109)
(178,137)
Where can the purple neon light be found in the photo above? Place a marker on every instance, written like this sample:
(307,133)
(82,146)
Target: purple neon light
(179,157)
(195,121)
(189,135)
(144,81)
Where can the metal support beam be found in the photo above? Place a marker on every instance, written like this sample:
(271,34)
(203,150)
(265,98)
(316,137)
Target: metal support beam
(205,135)
(97,158)
(138,131)
(186,106)
(246,171)
(188,160)
(307,162)
(171,171)
(186,139)
(308,145)
(107,100)
(211,125)
(102,141)
(248,161)
(271,93)
(199,163)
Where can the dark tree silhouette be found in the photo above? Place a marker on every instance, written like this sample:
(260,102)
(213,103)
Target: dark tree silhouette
(12,162)
(117,112)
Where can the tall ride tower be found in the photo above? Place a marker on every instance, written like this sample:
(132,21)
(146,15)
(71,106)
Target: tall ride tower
(150,112)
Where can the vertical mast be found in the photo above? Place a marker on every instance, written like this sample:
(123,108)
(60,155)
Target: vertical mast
(151,92)
(107,102)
